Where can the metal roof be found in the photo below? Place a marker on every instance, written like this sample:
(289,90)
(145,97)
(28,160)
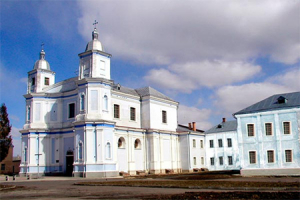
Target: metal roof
(223,127)
(273,103)
(149,91)
(125,90)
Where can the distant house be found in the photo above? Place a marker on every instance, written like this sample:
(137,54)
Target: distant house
(10,165)
(268,136)
(222,147)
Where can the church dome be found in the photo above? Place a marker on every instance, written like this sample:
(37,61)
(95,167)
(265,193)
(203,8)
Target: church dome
(94,44)
(42,63)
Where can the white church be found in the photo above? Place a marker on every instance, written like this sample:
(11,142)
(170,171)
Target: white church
(88,126)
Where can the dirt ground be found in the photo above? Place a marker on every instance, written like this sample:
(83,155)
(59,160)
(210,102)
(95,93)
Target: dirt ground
(188,186)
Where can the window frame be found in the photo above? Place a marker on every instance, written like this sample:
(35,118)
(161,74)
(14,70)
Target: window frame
(271,129)
(211,143)
(195,160)
(132,114)
(229,142)
(137,144)
(230,160)
(201,144)
(194,143)
(271,158)
(251,153)
(202,160)
(221,160)
(220,143)
(253,130)
(290,160)
(116,111)
(47,81)
(212,161)
(164,116)
(69,110)
(121,143)
(289,128)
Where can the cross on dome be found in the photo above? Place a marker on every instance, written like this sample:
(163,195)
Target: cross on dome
(95,23)
(42,45)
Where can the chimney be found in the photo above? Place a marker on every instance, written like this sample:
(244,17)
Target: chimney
(190,126)
(194,126)
(224,119)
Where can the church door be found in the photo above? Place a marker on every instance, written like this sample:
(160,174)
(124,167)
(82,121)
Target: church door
(69,163)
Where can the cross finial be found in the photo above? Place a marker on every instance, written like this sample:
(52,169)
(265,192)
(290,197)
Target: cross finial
(95,23)
(42,46)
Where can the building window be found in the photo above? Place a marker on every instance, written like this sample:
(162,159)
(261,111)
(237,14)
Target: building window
(229,142)
(286,128)
(132,114)
(220,142)
(288,156)
(250,129)
(212,161)
(25,155)
(164,116)
(2,166)
(230,160)
(80,151)
(71,110)
(194,143)
(268,127)
(221,160)
(108,150)
(270,155)
(195,161)
(33,81)
(201,144)
(46,81)
(105,102)
(116,111)
(211,143)
(121,143)
(252,157)
(202,160)
(137,144)
(82,102)
(28,113)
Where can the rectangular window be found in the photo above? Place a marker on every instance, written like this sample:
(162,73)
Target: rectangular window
(116,111)
(212,161)
(201,144)
(2,166)
(250,129)
(229,142)
(288,156)
(230,160)
(268,127)
(220,142)
(33,81)
(194,143)
(221,160)
(270,156)
(46,81)
(211,143)
(286,128)
(195,161)
(71,110)
(252,157)
(132,114)
(164,116)
(80,151)
(202,160)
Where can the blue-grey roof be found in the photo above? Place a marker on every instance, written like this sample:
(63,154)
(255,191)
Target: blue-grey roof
(149,91)
(223,127)
(125,90)
(292,100)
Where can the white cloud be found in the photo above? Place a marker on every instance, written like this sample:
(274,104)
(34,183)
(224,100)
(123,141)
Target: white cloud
(16,136)
(167,32)
(189,76)
(231,99)
(192,114)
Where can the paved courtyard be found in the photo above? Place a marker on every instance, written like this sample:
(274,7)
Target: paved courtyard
(66,188)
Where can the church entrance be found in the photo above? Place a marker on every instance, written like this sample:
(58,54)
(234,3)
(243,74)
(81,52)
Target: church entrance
(69,163)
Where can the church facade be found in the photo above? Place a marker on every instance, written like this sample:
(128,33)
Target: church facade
(89,126)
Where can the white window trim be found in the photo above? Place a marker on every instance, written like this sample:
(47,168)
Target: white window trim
(255,157)
(139,147)
(69,110)
(274,161)
(110,151)
(194,143)
(292,157)
(253,129)
(289,127)
(272,129)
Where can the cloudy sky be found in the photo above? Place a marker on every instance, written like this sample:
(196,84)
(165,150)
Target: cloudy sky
(214,57)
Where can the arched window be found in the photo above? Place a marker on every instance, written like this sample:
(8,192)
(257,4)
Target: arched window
(121,143)
(137,144)
(105,102)
(28,113)
(108,150)
(25,154)
(82,102)
(80,145)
